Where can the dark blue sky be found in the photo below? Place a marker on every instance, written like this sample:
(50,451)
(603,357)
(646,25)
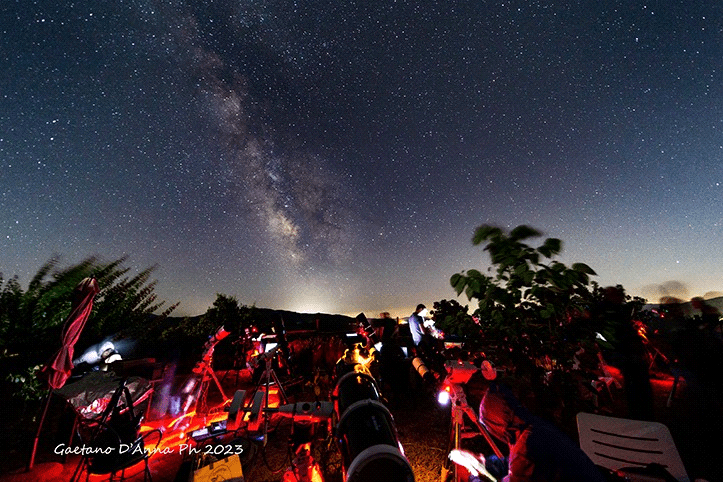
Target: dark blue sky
(337,156)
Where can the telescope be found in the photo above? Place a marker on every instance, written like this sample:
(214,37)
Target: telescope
(421,368)
(368,329)
(366,435)
(208,347)
(196,386)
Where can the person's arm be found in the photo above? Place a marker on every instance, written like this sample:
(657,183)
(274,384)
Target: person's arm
(521,468)
(419,325)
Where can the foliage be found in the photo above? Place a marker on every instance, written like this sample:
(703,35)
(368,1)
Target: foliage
(31,321)
(10,297)
(225,312)
(539,318)
(531,301)
(453,319)
(126,305)
(28,319)
(29,387)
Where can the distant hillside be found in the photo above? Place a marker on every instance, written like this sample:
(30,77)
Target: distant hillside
(687,307)
(188,350)
(303,321)
(264,318)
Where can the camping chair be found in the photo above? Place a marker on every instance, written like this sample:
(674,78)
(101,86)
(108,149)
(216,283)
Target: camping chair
(112,442)
(618,443)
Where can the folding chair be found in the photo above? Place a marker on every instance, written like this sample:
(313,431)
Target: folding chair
(618,443)
(113,442)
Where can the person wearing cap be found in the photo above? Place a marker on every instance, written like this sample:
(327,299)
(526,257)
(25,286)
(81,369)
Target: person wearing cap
(538,451)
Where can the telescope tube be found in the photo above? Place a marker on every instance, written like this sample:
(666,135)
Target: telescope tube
(366,435)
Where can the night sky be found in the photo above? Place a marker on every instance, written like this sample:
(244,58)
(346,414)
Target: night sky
(336,156)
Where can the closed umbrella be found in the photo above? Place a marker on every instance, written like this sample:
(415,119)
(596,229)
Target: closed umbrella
(58,369)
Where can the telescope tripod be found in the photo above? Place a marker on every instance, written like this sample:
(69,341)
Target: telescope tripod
(460,430)
(207,374)
(268,378)
(196,388)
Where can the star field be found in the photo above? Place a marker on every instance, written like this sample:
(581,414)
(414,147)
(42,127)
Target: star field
(337,156)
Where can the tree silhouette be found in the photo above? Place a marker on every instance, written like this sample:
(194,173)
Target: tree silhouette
(531,301)
(31,320)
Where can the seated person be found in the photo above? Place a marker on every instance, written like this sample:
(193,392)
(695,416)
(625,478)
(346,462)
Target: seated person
(538,451)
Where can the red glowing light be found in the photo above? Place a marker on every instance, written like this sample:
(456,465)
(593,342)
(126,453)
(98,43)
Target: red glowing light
(304,468)
(175,430)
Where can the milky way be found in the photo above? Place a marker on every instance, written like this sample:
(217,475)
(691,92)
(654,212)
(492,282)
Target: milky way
(294,194)
(337,156)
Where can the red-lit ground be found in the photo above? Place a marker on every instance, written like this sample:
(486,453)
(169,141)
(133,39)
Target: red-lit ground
(423,431)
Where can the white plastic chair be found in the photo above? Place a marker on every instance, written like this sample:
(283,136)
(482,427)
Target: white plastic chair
(616,443)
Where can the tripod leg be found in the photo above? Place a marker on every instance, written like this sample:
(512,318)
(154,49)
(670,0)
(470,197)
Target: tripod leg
(472,416)
(218,384)
(284,398)
(199,405)
(446,464)
(453,442)
(673,388)
(269,375)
